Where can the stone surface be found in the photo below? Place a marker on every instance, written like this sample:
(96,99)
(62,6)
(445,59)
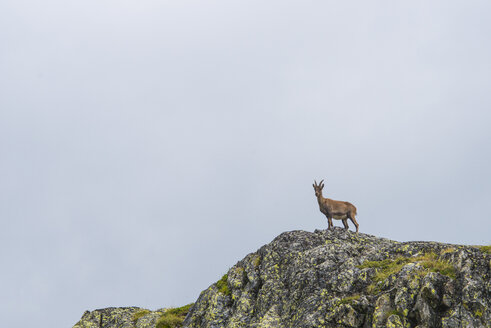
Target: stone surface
(337,278)
(122,317)
(304,279)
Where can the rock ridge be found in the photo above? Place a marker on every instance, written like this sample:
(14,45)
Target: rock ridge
(338,278)
(335,278)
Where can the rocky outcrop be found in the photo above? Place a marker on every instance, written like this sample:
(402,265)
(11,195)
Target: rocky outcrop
(122,317)
(343,279)
(334,278)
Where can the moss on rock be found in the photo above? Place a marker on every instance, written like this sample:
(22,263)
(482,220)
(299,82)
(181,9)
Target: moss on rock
(222,285)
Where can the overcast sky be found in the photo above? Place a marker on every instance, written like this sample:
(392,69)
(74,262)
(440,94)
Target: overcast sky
(147,146)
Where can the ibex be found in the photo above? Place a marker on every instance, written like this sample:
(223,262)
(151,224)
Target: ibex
(335,209)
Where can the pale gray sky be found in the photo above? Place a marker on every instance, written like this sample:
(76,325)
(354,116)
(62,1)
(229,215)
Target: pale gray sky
(146,146)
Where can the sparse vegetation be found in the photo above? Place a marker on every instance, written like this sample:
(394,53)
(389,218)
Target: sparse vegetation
(222,285)
(448,250)
(169,321)
(173,318)
(349,299)
(139,314)
(388,267)
(485,249)
(384,269)
(431,263)
(397,313)
(256,261)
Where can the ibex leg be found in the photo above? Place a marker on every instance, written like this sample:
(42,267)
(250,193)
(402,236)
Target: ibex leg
(345,223)
(352,218)
(329,221)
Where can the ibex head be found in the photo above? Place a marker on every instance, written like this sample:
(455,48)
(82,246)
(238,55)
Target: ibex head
(318,188)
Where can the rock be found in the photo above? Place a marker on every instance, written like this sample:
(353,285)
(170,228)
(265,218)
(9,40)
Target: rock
(382,311)
(340,278)
(395,321)
(336,278)
(131,317)
(122,317)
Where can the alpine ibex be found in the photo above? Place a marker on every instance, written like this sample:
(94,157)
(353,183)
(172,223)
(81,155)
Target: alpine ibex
(335,209)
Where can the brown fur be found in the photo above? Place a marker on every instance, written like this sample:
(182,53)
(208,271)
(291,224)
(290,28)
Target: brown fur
(335,209)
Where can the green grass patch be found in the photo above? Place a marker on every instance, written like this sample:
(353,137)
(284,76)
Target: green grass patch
(222,285)
(383,269)
(173,318)
(448,250)
(388,267)
(432,264)
(139,314)
(485,249)
(383,264)
(169,321)
(349,299)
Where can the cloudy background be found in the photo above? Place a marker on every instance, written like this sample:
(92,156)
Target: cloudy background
(146,146)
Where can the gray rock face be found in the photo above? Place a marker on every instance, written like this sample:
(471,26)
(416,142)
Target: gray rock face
(120,317)
(333,278)
(340,278)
